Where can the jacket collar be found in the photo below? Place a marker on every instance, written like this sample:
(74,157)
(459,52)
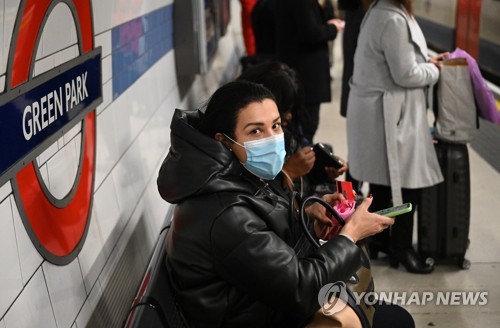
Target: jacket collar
(415,32)
(196,164)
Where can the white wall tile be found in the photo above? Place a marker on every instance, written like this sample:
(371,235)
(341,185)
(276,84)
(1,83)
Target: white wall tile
(93,254)
(39,51)
(3,68)
(5,190)
(72,133)
(77,143)
(102,12)
(168,80)
(107,96)
(2,80)
(44,65)
(10,272)
(66,290)
(9,18)
(132,112)
(106,69)
(2,324)
(111,13)
(66,55)
(45,174)
(107,213)
(127,122)
(89,306)
(29,258)
(133,9)
(106,150)
(62,169)
(59,31)
(60,143)
(154,138)
(129,178)
(33,307)
(47,154)
(150,147)
(104,40)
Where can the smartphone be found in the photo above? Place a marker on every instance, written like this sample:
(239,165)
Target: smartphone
(324,157)
(396,210)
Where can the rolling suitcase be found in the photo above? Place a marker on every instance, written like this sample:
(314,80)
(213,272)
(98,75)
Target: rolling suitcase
(444,210)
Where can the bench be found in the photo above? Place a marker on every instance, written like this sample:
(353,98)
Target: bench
(154,304)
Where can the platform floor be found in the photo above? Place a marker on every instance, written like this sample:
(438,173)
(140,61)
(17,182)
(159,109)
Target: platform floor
(484,250)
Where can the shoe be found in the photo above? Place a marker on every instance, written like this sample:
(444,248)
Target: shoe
(411,261)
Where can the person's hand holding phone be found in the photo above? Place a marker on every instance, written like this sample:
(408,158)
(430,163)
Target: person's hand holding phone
(363,224)
(300,163)
(334,173)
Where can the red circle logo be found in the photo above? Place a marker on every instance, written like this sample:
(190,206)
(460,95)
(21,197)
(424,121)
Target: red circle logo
(57,229)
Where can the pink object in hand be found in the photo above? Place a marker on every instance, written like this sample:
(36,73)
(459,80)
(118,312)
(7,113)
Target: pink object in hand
(345,209)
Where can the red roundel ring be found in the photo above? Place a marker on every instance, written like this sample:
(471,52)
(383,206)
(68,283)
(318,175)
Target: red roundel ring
(58,232)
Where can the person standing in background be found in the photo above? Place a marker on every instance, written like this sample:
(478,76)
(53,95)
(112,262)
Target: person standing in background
(263,28)
(388,136)
(246,24)
(302,36)
(354,11)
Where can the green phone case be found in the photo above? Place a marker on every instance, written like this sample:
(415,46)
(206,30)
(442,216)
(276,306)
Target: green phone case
(396,210)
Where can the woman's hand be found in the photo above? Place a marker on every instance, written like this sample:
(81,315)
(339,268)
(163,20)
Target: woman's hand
(300,163)
(438,59)
(363,224)
(339,24)
(322,223)
(334,173)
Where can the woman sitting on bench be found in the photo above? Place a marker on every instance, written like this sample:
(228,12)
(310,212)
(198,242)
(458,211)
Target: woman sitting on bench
(230,250)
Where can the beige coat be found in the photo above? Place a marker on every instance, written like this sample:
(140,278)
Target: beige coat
(388,135)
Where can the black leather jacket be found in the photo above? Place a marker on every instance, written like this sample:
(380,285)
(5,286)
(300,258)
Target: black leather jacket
(230,248)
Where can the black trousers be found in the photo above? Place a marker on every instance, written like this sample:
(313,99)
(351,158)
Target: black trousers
(310,125)
(399,237)
(392,315)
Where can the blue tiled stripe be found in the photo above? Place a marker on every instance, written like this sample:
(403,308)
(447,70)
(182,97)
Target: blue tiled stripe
(139,44)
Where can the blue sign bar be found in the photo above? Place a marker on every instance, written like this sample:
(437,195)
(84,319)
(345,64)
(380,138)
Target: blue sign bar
(40,111)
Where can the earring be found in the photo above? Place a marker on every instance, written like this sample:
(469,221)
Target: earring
(228,147)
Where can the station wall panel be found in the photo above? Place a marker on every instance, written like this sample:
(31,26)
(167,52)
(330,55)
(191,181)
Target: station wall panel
(139,94)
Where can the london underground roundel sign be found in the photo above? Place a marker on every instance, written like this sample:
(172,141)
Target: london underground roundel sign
(35,112)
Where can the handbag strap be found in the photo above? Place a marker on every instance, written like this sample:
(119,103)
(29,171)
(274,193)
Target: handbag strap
(303,214)
(351,300)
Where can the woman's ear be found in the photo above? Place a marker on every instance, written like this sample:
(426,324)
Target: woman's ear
(220,137)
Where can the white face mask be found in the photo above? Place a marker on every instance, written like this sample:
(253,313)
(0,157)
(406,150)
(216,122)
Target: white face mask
(265,157)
